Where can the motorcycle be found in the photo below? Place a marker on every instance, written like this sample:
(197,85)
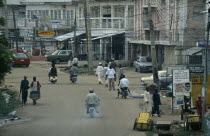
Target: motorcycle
(73,78)
(53,79)
(124,93)
(92,110)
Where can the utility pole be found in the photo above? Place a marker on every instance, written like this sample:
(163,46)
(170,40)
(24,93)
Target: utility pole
(88,34)
(6,20)
(205,81)
(15,27)
(153,48)
(75,30)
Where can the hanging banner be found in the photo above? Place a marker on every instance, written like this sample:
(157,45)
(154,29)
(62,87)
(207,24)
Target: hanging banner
(46,33)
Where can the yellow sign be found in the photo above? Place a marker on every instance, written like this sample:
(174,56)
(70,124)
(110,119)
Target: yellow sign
(196,79)
(46,33)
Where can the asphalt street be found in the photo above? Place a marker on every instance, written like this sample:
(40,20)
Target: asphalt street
(61,109)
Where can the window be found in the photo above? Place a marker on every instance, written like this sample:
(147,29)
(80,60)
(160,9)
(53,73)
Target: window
(43,12)
(106,11)
(197,15)
(59,14)
(195,59)
(95,11)
(119,11)
(64,14)
(21,15)
(51,13)
(81,13)
(56,14)
(28,14)
(130,16)
(62,53)
(47,12)
(40,13)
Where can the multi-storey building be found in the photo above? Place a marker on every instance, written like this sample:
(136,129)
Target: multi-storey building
(178,25)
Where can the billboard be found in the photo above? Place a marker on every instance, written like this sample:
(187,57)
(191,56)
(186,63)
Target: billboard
(46,33)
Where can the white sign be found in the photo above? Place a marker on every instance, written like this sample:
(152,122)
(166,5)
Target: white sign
(181,89)
(181,76)
(171,68)
(21,23)
(31,24)
(56,23)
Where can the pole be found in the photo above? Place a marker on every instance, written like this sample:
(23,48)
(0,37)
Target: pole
(153,48)
(75,29)
(6,20)
(205,82)
(88,34)
(15,27)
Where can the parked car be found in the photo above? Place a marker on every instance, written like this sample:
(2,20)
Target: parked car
(169,92)
(59,56)
(20,59)
(164,79)
(143,64)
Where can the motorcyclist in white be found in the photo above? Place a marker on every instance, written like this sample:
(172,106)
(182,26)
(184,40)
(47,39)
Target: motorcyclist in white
(92,99)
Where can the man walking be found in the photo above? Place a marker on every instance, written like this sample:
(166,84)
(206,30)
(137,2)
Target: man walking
(24,90)
(75,61)
(147,101)
(111,75)
(99,72)
(156,103)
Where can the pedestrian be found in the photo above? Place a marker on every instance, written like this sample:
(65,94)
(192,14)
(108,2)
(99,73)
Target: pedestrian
(75,61)
(35,90)
(104,75)
(120,73)
(113,64)
(199,103)
(111,75)
(24,90)
(147,107)
(99,72)
(156,103)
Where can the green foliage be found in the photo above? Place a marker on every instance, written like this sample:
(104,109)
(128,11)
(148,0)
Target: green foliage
(1,3)
(8,107)
(2,21)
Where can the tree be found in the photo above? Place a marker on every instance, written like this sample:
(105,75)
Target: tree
(5,54)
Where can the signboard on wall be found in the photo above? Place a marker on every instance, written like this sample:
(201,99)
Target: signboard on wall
(56,23)
(46,33)
(196,74)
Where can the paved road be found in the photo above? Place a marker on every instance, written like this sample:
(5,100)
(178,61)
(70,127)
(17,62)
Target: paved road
(61,110)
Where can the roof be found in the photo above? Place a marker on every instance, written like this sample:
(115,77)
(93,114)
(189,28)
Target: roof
(97,34)
(148,42)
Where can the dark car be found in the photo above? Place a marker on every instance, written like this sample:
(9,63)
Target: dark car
(20,59)
(165,81)
(59,56)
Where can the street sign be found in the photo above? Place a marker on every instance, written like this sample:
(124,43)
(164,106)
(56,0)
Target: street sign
(181,76)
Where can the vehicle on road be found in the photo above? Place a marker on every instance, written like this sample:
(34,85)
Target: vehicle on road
(20,59)
(92,110)
(59,56)
(53,79)
(164,79)
(73,78)
(123,94)
(143,64)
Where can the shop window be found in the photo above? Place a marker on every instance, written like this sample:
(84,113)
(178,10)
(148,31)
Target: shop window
(107,11)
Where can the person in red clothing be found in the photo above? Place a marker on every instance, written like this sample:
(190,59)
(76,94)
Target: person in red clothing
(199,103)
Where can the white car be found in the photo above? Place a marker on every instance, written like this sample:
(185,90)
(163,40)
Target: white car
(149,80)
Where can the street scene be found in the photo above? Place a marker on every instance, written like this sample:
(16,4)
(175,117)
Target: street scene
(104,67)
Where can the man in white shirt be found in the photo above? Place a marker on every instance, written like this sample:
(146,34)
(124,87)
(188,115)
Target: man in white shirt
(111,75)
(147,108)
(99,72)
(124,84)
(75,61)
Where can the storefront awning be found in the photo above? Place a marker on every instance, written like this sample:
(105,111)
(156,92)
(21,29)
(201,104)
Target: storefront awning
(96,34)
(147,42)
(68,35)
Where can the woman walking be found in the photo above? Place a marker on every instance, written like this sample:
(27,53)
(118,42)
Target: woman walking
(35,90)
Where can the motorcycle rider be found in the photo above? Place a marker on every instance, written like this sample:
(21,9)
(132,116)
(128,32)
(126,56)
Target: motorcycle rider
(52,71)
(124,85)
(73,71)
(92,99)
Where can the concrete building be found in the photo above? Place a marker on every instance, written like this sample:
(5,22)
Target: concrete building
(178,25)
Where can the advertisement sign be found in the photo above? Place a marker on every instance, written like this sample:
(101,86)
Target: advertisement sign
(196,74)
(181,89)
(26,32)
(179,100)
(56,23)
(181,76)
(30,24)
(45,38)
(171,68)
(46,33)
(21,23)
